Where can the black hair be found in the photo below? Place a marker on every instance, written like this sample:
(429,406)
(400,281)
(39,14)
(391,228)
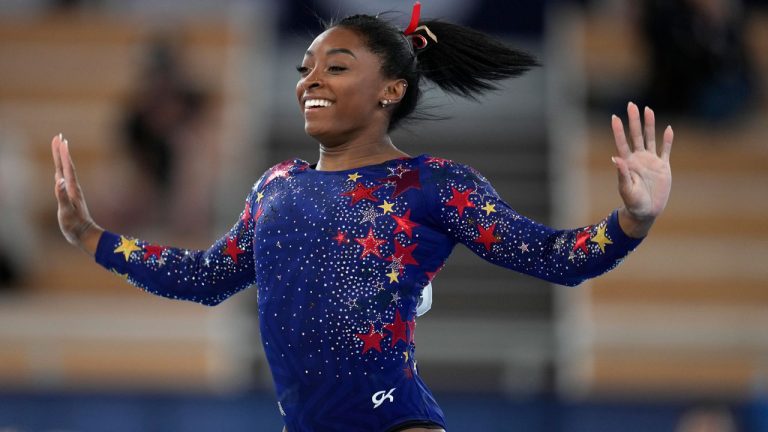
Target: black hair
(460,60)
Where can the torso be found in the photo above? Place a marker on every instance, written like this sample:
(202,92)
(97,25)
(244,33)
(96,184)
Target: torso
(341,259)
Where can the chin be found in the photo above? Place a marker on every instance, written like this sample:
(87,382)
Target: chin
(321,133)
(317,133)
(313,130)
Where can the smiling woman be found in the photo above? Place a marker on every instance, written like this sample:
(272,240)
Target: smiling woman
(342,249)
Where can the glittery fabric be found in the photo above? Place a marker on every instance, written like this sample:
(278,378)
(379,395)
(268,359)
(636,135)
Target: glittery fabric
(339,260)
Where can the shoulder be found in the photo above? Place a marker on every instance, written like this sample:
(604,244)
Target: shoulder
(435,162)
(279,170)
(447,179)
(287,166)
(442,169)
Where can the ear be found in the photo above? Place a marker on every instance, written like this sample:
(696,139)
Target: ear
(394,90)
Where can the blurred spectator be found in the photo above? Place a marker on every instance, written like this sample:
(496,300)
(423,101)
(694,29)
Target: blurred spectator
(73,7)
(66,5)
(8,272)
(163,130)
(18,239)
(699,64)
(707,419)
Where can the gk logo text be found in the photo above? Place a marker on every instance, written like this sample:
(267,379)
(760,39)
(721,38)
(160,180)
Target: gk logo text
(379,397)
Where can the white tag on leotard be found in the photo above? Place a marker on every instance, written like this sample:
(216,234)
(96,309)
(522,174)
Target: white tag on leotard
(425,301)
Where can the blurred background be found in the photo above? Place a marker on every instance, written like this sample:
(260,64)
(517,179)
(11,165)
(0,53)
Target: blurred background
(173,108)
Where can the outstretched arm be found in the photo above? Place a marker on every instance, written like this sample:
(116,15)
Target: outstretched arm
(204,276)
(468,209)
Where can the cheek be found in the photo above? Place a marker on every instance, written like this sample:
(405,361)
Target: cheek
(361,98)
(299,90)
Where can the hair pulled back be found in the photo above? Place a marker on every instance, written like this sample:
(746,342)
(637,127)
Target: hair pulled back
(463,61)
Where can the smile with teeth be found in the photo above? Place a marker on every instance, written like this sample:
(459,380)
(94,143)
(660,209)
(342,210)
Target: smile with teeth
(317,103)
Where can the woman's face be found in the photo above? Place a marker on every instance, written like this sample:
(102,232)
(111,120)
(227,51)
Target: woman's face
(340,88)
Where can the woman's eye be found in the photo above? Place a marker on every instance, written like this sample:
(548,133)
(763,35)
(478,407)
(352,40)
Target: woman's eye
(302,69)
(336,68)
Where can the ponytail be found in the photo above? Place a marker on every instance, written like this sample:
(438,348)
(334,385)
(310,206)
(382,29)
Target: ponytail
(464,61)
(457,59)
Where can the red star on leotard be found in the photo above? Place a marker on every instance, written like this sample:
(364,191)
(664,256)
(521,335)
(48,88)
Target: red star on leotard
(404,253)
(340,237)
(371,340)
(259,211)
(397,328)
(153,250)
(411,330)
(486,236)
(439,161)
(232,249)
(408,373)
(360,192)
(404,223)
(408,180)
(431,275)
(281,170)
(581,241)
(246,218)
(460,200)
(370,244)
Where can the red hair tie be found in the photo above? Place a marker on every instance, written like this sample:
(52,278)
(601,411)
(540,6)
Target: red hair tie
(415,16)
(419,42)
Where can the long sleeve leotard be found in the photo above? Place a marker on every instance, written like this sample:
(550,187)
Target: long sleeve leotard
(340,258)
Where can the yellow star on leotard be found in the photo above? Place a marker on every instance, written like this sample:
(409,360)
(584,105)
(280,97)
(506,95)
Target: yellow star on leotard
(489,208)
(387,207)
(601,239)
(393,276)
(354,176)
(259,196)
(127,247)
(123,276)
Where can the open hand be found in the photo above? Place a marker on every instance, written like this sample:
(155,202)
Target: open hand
(645,178)
(74,219)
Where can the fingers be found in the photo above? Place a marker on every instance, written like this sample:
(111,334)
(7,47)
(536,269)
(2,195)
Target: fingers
(635,130)
(59,187)
(650,130)
(55,144)
(666,148)
(642,134)
(619,137)
(70,176)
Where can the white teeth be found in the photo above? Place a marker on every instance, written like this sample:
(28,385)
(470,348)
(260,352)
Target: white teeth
(314,103)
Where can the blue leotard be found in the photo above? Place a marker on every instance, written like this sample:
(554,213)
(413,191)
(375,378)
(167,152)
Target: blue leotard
(340,258)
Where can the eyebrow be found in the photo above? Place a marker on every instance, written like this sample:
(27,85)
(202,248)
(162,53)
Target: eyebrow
(334,51)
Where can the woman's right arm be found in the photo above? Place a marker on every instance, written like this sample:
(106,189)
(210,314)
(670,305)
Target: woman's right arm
(204,276)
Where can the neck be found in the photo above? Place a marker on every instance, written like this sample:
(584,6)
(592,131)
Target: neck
(356,153)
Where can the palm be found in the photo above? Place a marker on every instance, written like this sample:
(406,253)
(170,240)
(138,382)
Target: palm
(645,178)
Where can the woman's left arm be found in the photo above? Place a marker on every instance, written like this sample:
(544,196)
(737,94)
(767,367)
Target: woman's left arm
(465,206)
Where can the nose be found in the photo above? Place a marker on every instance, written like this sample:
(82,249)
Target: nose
(311,81)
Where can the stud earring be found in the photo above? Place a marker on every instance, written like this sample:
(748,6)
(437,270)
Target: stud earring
(385,102)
